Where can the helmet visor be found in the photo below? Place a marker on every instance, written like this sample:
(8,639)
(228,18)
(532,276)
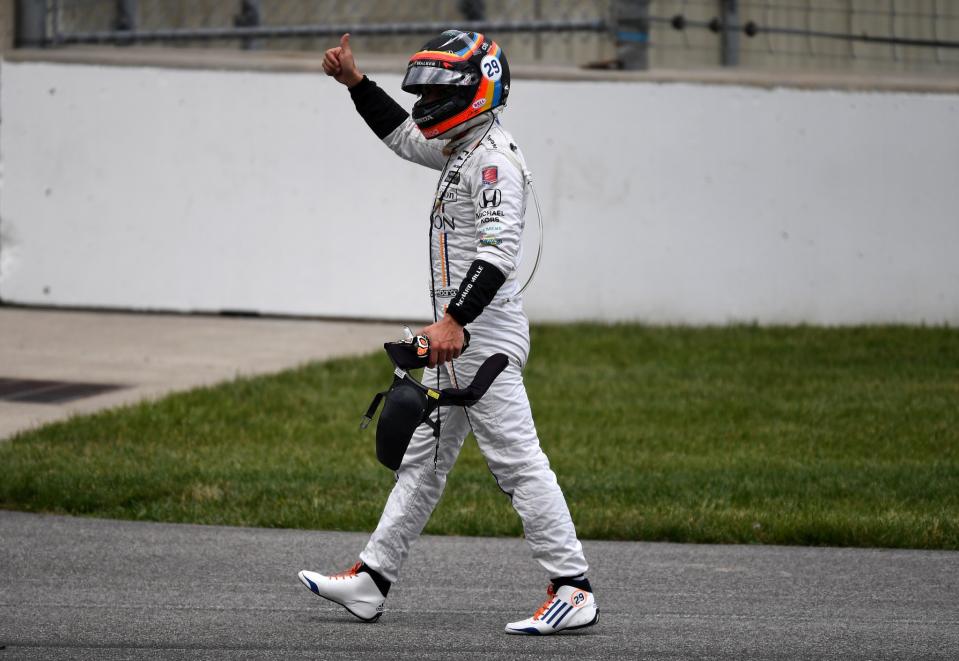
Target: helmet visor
(417,76)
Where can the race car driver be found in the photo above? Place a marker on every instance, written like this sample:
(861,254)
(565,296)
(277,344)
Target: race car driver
(475,230)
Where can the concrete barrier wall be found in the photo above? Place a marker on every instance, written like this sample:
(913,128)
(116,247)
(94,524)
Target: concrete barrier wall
(150,188)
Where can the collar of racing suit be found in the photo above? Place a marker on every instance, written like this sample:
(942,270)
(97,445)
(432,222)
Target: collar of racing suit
(474,128)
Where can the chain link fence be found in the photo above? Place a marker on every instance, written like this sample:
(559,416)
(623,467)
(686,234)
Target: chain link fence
(858,35)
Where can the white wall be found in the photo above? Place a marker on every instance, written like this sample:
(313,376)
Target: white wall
(204,190)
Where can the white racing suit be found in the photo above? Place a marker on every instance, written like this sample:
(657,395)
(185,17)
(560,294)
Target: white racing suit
(480,215)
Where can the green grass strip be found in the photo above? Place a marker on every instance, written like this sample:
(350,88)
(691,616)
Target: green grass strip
(812,436)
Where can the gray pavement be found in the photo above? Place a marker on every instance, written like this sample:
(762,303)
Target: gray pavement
(93,589)
(155,354)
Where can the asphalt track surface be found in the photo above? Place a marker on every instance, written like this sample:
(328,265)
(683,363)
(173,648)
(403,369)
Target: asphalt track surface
(75,588)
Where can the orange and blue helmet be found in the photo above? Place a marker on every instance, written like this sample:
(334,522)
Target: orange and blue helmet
(470,69)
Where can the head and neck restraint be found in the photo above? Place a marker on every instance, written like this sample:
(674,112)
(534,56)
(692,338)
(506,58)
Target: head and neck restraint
(409,403)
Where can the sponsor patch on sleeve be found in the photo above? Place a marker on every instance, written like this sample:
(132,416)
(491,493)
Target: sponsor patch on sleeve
(490,175)
(490,197)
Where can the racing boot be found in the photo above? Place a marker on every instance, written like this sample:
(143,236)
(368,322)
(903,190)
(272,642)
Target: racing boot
(360,590)
(567,606)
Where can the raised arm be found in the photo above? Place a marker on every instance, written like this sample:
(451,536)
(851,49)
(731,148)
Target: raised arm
(387,119)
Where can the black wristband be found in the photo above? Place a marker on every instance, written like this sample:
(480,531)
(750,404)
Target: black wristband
(480,285)
(377,108)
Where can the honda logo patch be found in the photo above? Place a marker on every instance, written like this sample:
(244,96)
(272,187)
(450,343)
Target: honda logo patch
(490,198)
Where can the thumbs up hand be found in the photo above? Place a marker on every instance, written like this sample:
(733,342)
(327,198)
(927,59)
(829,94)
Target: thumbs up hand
(339,63)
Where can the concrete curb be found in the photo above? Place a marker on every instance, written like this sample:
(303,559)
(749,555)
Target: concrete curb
(153,355)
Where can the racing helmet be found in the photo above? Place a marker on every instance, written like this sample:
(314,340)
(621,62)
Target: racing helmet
(472,71)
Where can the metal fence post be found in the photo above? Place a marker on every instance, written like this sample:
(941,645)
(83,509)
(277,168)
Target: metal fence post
(729,34)
(125,18)
(248,17)
(31,24)
(473,10)
(631,30)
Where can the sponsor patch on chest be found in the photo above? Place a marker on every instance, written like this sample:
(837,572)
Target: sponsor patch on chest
(490,175)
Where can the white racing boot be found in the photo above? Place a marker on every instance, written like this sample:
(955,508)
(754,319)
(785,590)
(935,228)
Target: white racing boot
(352,589)
(564,609)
